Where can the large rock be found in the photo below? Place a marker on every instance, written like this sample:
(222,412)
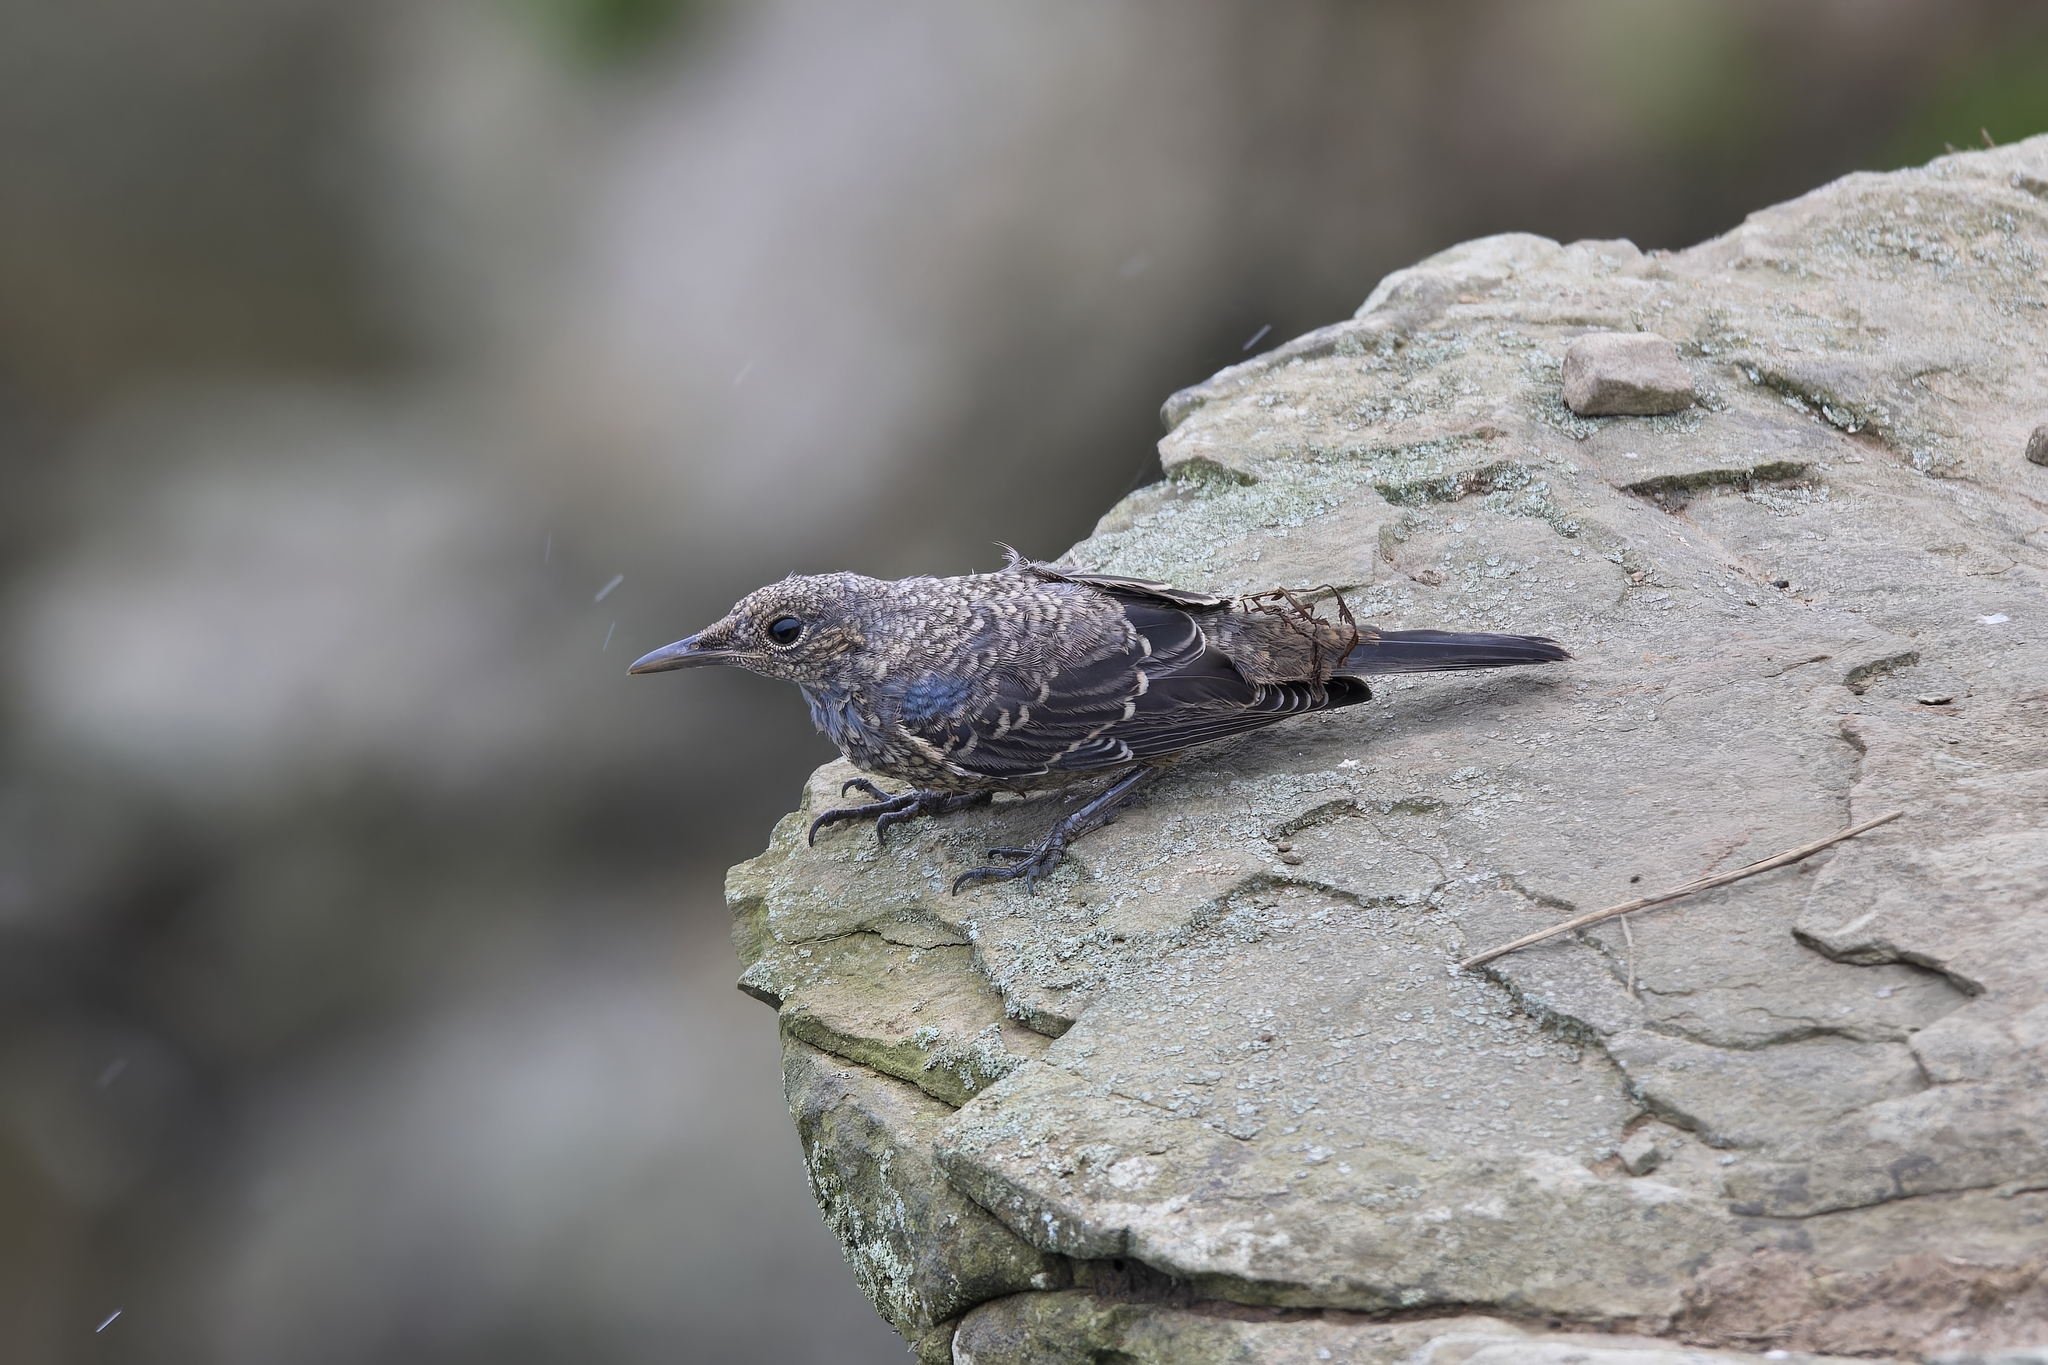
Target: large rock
(1808,1111)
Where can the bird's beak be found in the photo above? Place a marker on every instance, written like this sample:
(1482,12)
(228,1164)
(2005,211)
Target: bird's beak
(694,652)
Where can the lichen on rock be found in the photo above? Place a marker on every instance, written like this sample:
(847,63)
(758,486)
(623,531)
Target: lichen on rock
(1199,1090)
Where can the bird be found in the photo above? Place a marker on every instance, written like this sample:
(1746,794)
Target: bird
(1037,676)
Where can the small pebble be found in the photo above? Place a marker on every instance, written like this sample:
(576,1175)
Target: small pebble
(1781,582)
(2037,445)
(1932,699)
(1641,1154)
(1625,374)
(1291,859)
(1284,846)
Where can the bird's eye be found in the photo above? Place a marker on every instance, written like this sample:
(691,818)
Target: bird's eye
(783,630)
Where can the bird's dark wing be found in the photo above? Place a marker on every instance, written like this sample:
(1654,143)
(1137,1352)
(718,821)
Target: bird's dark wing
(1019,724)
(1131,700)
(1194,694)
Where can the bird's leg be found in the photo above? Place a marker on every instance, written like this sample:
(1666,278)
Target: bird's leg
(1034,863)
(888,809)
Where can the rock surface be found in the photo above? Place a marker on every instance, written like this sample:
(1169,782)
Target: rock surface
(1196,1094)
(1625,374)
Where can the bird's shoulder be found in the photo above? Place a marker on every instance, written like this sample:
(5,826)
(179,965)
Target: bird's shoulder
(1125,586)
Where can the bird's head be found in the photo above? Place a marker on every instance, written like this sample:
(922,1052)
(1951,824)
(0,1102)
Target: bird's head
(798,630)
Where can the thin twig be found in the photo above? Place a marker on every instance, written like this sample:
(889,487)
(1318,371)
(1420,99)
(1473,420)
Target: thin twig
(1629,934)
(1703,884)
(1281,603)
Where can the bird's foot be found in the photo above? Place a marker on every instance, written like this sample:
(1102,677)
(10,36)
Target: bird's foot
(1036,861)
(888,810)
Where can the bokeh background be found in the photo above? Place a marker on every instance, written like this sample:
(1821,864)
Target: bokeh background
(364,988)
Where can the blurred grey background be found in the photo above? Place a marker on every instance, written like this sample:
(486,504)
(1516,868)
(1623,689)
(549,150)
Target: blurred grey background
(364,990)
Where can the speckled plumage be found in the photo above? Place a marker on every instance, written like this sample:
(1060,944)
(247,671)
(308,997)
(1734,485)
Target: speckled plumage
(1034,677)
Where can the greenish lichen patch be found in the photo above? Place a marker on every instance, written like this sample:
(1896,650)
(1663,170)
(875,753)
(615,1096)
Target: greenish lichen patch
(1207,535)
(1199,471)
(1675,488)
(1443,484)
(1776,471)
(1805,393)
(1189,541)
(1859,677)
(1422,476)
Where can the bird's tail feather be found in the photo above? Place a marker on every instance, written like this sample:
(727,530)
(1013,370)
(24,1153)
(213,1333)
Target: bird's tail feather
(1431,651)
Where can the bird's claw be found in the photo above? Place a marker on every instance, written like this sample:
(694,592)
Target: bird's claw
(889,810)
(1033,863)
(895,815)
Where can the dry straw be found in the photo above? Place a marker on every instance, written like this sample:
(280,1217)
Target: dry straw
(1703,884)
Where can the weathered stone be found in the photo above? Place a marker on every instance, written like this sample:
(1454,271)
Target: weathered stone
(1058,1329)
(1625,374)
(922,1015)
(917,1010)
(922,1252)
(1905,1306)
(2036,1356)
(2037,445)
(1271,1087)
